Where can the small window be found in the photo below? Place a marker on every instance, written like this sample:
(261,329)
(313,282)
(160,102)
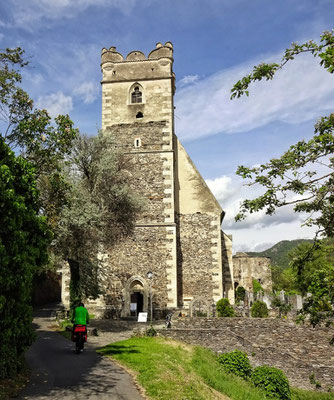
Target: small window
(136,95)
(137,142)
(139,115)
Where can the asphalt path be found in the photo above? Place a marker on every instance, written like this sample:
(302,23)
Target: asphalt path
(59,373)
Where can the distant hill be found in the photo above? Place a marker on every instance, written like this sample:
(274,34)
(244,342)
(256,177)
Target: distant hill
(279,252)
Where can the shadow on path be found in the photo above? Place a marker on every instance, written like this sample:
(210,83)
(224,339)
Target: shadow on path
(59,373)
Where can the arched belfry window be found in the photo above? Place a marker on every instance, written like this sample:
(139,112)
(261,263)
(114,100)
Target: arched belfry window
(136,95)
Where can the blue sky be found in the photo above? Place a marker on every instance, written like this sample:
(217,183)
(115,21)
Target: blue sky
(215,43)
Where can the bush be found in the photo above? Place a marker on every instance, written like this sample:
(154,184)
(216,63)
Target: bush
(272,381)
(240,293)
(224,309)
(150,332)
(237,363)
(259,309)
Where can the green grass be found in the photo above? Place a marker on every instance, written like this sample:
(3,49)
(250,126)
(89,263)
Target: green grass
(172,370)
(163,368)
(299,394)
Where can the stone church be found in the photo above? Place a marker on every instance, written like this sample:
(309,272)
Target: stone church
(178,250)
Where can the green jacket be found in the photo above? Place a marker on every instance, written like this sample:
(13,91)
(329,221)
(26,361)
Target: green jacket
(81,316)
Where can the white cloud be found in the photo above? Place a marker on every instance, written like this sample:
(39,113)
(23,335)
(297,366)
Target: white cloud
(55,103)
(88,91)
(258,231)
(27,13)
(300,92)
(187,80)
(223,188)
(261,239)
(231,192)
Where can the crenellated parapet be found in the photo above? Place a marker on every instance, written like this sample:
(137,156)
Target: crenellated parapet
(160,51)
(157,65)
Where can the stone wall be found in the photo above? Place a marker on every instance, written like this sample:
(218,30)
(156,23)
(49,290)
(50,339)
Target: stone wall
(196,256)
(247,268)
(148,249)
(299,350)
(151,135)
(227,264)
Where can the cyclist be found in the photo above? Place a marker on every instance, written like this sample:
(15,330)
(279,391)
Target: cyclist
(80,316)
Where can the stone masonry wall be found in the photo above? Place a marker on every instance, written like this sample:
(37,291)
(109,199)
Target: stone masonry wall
(299,350)
(150,133)
(197,255)
(247,268)
(150,168)
(228,281)
(148,249)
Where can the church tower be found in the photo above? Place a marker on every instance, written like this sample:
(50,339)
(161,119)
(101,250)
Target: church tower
(177,236)
(137,110)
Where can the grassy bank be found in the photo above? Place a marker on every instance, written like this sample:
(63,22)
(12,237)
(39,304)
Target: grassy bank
(171,370)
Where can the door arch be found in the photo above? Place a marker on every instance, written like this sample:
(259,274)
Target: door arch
(136,291)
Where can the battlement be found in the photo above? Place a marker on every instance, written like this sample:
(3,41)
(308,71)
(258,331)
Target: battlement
(157,65)
(160,51)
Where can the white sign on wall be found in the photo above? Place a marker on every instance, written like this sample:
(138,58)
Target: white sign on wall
(142,317)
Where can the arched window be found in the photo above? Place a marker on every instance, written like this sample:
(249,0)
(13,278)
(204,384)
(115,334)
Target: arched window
(139,115)
(136,95)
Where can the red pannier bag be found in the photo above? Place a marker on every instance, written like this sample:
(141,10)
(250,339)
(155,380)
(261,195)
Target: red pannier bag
(77,329)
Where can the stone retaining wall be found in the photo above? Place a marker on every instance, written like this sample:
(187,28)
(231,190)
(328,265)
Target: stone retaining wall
(297,350)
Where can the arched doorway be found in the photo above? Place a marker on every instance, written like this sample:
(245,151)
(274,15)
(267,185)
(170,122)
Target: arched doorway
(136,293)
(136,298)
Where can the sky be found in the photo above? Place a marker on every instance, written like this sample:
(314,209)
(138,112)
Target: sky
(216,42)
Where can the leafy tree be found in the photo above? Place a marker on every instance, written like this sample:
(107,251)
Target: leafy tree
(33,134)
(24,238)
(81,182)
(284,279)
(314,266)
(24,235)
(293,179)
(100,210)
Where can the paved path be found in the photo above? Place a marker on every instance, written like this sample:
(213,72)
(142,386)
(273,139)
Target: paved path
(59,373)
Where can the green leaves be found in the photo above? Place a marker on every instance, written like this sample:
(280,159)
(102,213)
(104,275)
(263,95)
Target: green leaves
(236,362)
(224,309)
(325,51)
(272,381)
(24,239)
(303,176)
(31,185)
(99,210)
